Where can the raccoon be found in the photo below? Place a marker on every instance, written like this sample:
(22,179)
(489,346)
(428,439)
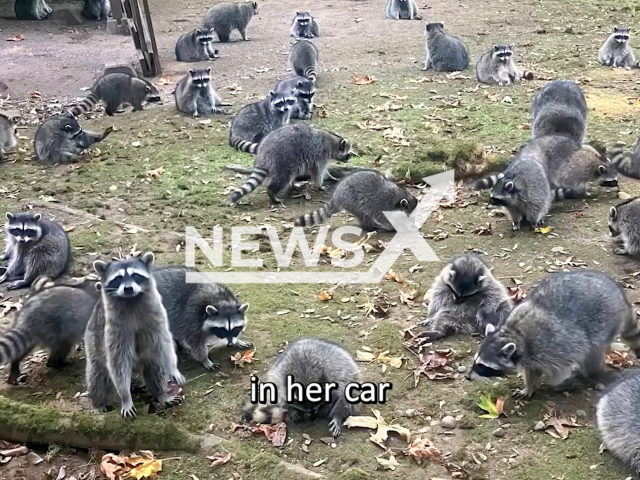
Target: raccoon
(96,9)
(223,18)
(8,136)
(308,360)
(32,9)
(496,67)
(129,326)
(561,330)
(195,94)
(560,108)
(304,26)
(523,189)
(126,69)
(617,420)
(303,59)
(627,165)
(61,139)
(304,90)
(195,46)
(258,119)
(290,152)
(54,318)
(624,225)
(365,195)
(465,298)
(402,10)
(116,89)
(35,247)
(200,313)
(445,53)
(616,51)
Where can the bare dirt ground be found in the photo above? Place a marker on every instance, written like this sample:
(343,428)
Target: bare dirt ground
(441,118)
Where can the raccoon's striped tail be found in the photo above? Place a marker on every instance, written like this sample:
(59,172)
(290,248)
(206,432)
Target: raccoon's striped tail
(488,182)
(254,180)
(311,73)
(625,164)
(527,75)
(313,218)
(15,344)
(85,105)
(243,145)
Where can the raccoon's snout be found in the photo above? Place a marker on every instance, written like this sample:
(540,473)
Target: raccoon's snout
(497,201)
(609,183)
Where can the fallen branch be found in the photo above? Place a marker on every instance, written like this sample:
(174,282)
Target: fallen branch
(89,216)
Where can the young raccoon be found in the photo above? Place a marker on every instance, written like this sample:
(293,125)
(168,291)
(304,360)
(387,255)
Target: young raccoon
(8,135)
(618,422)
(290,152)
(445,53)
(402,10)
(559,108)
(96,9)
(561,330)
(303,59)
(304,26)
(116,89)
(616,51)
(523,188)
(35,247)
(627,165)
(195,95)
(54,318)
(32,9)
(624,225)
(304,90)
(365,195)
(200,313)
(61,139)
(308,360)
(129,327)
(256,120)
(223,18)
(126,69)
(195,46)
(496,67)
(465,298)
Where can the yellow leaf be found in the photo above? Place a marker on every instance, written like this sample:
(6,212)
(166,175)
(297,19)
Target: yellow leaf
(543,230)
(364,356)
(390,464)
(395,362)
(148,469)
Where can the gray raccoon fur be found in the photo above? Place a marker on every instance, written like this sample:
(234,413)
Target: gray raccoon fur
(32,9)
(445,53)
(54,318)
(304,90)
(304,26)
(627,165)
(8,135)
(61,139)
(35,247)
(624,225)
(200,313)
(195,95)
(303,59)
(116,89)
(403,10)
(497,67)
(616,51)
(465,298)
(308,360)
(129,327)
(618,420)
(126,69)
(224,18)
(561,331)
(560,108)
(96,9)
(523,188)
(290,152)
(195,46)
(365,195)
(256,120)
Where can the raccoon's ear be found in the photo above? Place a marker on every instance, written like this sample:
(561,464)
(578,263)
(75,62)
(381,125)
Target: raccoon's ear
(509,187)
(489,329)
(148,258)
(100,267)
(243,308)
(148,88)
(481,278)
(496,47)
(343,144)
(98,286)
(191,71)
(37,217)
(615,28)
(10,216)
(404,203)
(68,127)
(197,31)
(511,46)
(613,213)
(300,84)
(211,310)
(272,94)
(208,69)
(602,169)
(509,349)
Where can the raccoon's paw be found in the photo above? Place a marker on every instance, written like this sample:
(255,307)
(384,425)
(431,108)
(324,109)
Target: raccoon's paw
(128,411)
(293,416)
(417,17)
(515,227)
(17,284)
(620,251)
(196,114)
(4,278)
(210,366)
(244,344)
(102,409)
(178,379)
(523,393)
(335,427)
(170,400)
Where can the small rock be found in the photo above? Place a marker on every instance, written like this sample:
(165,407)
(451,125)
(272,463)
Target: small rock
(448,422)
(539,426)
(462,369)
(600,387)
(410,413)
(498,433)
(581,413)
(568,29)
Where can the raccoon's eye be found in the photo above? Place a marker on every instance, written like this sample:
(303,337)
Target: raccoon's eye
(139,279)
(115,282)
(218,332)
(236,331)
(15,232)
(30,232)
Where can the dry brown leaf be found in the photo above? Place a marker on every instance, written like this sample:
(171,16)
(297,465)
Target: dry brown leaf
(113,466)
(16,38)
(364,356)
(380,425)
(435,366)
(557,425)
(155,172)
(164,81)
(239,359)
(516,293)
(396,277)
(362,80)
(422,449)
(617,359)
(220,458)
(324,295)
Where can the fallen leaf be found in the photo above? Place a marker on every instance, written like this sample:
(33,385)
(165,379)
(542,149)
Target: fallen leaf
(391,275)
(239,359)
(557,425)
(614,358)
(364,356)
(422,448)
(155,172)
(381,426)
(543,230)
(390,464)
(395,362)
(494,410)
(62,473)
(164,81)
(148,469)
(324,295)
(15,38)
(362,80)
(435,366)
(220,458)
(113,466)
(34,459)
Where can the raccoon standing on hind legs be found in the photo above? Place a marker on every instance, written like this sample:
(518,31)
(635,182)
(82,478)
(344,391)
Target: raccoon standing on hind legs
(223,18)
(403,10)
(8,136)
(616,51)
(497,67)
(445,53)
(195,95)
